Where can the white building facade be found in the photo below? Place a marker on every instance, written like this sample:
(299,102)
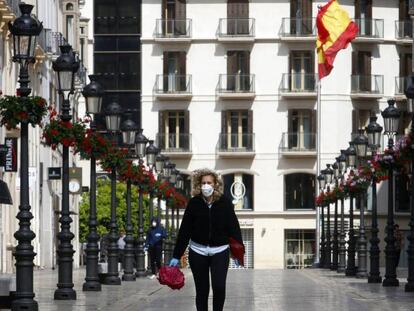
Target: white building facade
(231,85)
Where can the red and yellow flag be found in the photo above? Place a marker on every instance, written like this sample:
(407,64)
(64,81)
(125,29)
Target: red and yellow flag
(335,31)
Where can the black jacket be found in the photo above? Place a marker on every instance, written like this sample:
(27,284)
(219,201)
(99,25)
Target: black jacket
(207,226)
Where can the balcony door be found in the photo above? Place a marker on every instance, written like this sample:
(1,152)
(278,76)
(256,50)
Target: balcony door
(363,16)
(174,130)
(238,71)
(361,70)
(237,129)
(301,17)
(238,17)
(302,70)
(174,72)
(301,129)
(174,17)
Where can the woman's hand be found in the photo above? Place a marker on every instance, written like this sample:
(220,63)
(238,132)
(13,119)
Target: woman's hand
(174,262)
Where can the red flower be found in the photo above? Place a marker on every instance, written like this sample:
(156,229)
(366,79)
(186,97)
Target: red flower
(23,115)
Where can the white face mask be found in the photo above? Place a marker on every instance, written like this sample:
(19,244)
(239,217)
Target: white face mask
(207,190)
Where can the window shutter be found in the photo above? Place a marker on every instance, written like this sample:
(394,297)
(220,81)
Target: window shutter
(165,62)
(354,63)
(161,118)
(402,10)
(307,9)
(293,8)
(186,121)
(354,121)
(182,63)
(164,9)
(367,63)
(402,64)
(224,121)
(180,9)
(231,62)
(357,9)
(250,121)
(368,11)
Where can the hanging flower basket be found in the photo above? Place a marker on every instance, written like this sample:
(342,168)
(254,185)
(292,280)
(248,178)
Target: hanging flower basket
(14,110)
(93,144)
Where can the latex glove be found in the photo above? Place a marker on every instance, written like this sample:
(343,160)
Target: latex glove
(174,262)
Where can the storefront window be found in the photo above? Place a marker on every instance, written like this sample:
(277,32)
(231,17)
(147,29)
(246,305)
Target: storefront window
(300,191)
(240,179)
(299,248)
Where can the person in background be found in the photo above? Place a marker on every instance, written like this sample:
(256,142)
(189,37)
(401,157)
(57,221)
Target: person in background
(208,222)
(153,243)
(121,246)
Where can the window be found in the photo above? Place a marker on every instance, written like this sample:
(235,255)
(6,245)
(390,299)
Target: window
(174,130)
(246,203)
(299,191)
(238,71)
(187,184)
(238,17)
(174,17)
(302,70)
(301,14)
(302,129)
(175,78)
(361,70)
(237,129)
(69,7)
(117,16)
(363,16)
(299,248)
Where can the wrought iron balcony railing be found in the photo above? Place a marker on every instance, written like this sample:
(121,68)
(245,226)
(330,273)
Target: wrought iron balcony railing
(370,28)
(236,27)
(298,83)
(174,142)
(298,142)
(173,28)
(297,27)
(237,83)
(403,29)
(173,84)
(369,84)
(242,142)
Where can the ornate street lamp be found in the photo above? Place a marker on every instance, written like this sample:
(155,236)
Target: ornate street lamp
(151,152)
(113,122)
(321,181)
(350,270)
(129,129)
(409,93)
(361,145)
(93,93)
(24,30)
(328,175)
(341,161)
(65,66)
(391,117)
(374,141)
(140,149)
(335,246)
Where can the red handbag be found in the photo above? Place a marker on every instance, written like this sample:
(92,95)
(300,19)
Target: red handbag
(171,276)
(237,250)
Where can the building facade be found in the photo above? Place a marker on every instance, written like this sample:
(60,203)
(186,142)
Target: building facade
(62,23)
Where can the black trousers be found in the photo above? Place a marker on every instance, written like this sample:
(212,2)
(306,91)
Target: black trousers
(201,266)
(155,253)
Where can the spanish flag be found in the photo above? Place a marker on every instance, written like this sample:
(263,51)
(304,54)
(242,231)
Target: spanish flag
(335,31)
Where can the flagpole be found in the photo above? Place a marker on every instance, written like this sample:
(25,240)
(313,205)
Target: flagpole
(318,167)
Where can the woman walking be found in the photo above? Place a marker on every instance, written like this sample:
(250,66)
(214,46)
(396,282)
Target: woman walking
(208,223)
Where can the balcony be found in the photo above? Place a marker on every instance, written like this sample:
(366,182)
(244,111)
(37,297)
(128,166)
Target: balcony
(298,29)
(236,145)
(173,30)
(298,144)
(400,85)
(9,10)
(370,30)
(404,32)
(368,87)
(175,145)
(236,30)
(298,85)
(237,86)
(173,87)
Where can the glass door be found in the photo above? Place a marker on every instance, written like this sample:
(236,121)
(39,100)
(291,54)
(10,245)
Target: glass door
(300,130)
(299,248)
(301,70)
(237,129)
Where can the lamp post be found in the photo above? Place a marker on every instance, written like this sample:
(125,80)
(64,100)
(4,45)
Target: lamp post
(374,141)
(341,160)
(321,181)
(93,93)
(128,129)
(361,145)
(173,179)
(166,177)
(334,265)
(391,117)
(140,146)
(24,29)
(159,166)
(350,154)
(328,174)
(113,119)
(65,66)
(409,93)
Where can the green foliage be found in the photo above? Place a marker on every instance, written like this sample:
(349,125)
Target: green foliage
(103,207)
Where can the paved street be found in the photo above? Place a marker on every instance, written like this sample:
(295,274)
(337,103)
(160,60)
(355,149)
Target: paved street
(261,290)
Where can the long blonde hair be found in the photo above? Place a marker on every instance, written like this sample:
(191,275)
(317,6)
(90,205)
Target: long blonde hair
(196,181)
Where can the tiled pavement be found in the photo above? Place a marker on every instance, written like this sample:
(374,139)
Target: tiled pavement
(247,290)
